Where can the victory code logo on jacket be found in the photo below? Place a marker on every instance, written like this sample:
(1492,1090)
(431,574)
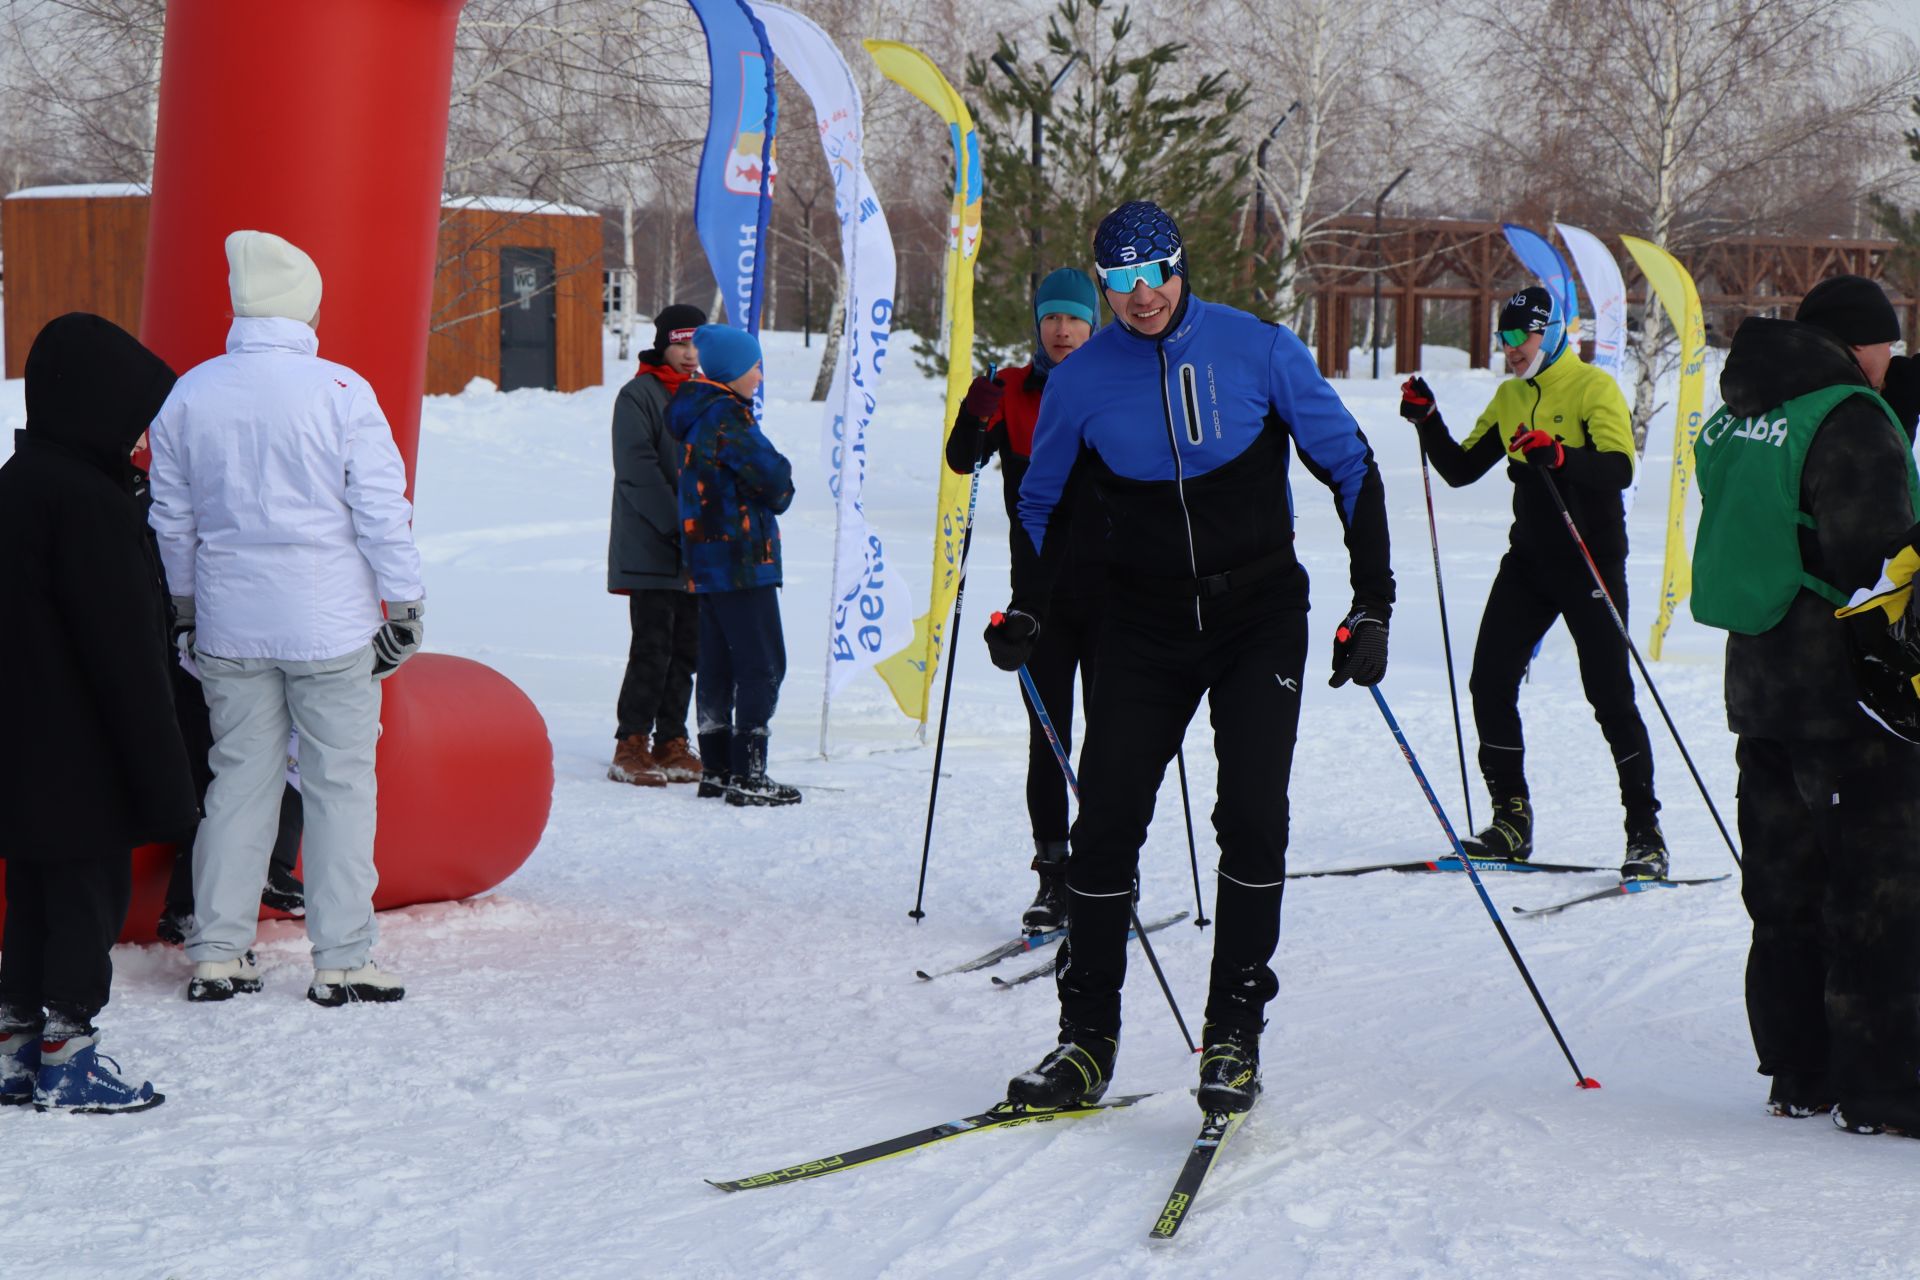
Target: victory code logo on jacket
(733,482)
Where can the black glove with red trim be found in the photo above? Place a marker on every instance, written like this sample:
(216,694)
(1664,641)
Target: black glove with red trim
(1360,649)
(1416,400)
(1541,449)
(1010,638)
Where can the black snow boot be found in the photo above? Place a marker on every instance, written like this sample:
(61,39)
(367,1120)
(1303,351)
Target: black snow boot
(752,786)
(1077,1070)
(1509,836)
(715,750)
(1049,909)
(1646,853)
(1888,1111)
(1799,1094)
(284,892)
(1229,1068)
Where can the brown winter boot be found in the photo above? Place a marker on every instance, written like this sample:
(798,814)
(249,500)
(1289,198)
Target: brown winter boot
(677,761)
(632,762)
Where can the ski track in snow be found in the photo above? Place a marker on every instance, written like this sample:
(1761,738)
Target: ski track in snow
(672,990)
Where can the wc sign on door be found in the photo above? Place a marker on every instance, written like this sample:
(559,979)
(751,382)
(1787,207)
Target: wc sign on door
(526,282)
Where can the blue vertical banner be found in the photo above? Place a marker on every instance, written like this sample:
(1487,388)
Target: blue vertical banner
(1537,254)
(734,196)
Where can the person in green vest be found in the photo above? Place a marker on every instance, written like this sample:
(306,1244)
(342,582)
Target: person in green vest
(1807,483)
(1559,416)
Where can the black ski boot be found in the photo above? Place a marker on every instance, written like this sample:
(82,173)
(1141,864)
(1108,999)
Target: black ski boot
(715,752)
(284,892)
(752,786)
(1077,1070)
(1646,853)
(1799,1094)
(1049,909)
(1229,1069)
(1509,836)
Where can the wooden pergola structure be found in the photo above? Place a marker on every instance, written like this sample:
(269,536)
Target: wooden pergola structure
(1451,260)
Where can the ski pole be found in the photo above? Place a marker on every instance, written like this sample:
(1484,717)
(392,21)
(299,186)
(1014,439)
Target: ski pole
(1446,635)
(1620,623)
(1582,1079)
(946,695)
(1073,785)
(1200,920)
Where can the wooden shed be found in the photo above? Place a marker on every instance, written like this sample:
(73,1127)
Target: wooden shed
(516,297)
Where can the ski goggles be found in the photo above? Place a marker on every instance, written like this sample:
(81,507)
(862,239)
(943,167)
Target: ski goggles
(1152,274)
(1515,337)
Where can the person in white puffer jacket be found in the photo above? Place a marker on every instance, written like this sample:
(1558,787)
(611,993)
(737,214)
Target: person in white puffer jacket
(279,502)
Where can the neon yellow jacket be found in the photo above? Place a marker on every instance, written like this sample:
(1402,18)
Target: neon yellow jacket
(1581,407)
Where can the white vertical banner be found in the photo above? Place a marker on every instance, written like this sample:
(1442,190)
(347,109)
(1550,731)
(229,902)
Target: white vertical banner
(1600,273)
(1606,290)
(870,613)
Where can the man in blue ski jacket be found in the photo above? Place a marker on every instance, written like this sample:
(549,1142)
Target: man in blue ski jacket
(1181,412)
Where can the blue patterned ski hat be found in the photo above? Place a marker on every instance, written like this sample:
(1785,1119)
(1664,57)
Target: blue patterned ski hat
(1138,231)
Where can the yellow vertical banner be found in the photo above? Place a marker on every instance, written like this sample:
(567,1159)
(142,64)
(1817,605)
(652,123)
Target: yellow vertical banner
(1674,287)
(909,673)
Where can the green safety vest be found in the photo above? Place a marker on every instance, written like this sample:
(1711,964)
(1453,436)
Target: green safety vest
(1746,554)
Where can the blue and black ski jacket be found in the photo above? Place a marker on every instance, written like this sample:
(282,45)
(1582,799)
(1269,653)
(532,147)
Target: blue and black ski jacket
(1186,438)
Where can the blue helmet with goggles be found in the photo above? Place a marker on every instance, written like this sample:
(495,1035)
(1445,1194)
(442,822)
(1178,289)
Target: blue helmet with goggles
(1137,243)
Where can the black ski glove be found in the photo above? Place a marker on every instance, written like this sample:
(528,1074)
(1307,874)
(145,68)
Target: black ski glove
(1011,637)
(181,632)
(1416,401)
(1359,650)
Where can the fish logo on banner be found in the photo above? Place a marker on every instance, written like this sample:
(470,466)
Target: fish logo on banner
(750,145)
(733,197)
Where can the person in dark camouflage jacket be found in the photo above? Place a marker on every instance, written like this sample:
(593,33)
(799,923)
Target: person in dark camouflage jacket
(733,485)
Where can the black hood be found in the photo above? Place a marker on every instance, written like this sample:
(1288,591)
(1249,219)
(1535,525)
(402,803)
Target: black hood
(92,388)
(1772,361)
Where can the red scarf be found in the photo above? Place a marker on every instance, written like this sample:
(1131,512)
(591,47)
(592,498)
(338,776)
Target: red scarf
(670,378)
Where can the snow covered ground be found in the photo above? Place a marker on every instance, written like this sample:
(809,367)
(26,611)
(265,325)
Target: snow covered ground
(672,990)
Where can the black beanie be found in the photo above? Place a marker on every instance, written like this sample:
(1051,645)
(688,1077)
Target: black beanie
(1531,310)
(676,324)
(1853,309)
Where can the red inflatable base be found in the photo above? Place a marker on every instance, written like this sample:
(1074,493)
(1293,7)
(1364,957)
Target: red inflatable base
(466,782)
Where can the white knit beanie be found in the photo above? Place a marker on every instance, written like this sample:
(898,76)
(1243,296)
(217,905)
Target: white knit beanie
(266,276)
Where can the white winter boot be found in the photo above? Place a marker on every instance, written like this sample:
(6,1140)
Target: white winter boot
(367,984)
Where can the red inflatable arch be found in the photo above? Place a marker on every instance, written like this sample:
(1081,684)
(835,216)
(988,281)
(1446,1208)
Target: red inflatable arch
(326,123)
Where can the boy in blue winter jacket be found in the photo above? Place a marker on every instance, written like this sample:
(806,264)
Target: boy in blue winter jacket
(733,482)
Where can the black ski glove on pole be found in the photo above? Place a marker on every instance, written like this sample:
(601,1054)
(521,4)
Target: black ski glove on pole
(1010,638)
(1359,650)
(1416,401)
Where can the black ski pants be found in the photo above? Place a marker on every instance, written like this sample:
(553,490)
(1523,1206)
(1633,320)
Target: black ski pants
(1068,642)
(1154,669)
(743,659)
(661,656)
(63,915)
(1831,881)
(1529,592)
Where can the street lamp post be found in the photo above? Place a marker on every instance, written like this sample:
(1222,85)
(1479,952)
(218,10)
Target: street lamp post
(1005,64)
(1260,200)
(1380,266)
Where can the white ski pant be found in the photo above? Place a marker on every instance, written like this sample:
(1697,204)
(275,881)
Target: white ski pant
(335,705)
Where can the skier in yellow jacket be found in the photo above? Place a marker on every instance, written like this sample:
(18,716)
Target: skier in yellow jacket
(1559,415)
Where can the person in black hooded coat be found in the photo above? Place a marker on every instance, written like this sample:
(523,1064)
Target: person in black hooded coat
(1829,803)
(92,763)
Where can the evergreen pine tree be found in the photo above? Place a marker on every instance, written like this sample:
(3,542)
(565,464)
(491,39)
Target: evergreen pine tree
(1115,132)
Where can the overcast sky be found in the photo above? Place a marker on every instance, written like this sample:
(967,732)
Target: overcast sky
(1900,15)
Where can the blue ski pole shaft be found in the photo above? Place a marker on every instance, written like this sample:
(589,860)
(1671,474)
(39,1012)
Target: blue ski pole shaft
(1582,1079)
(1446,637)
(1200,920)
(1073,784)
